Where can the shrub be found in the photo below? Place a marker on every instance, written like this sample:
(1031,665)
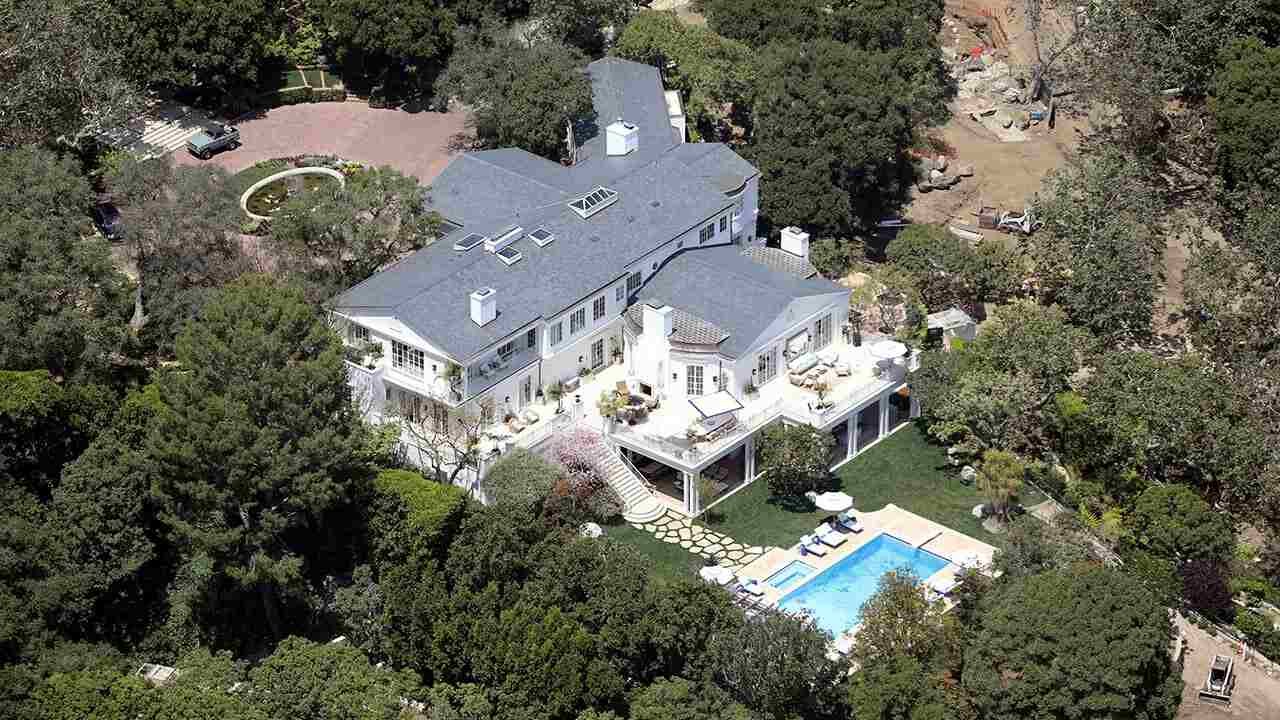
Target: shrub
(521,478)
(413,516)
(793,458)
(584,492)
(328,94)
(1204,585)
(292,96)
(1260,631)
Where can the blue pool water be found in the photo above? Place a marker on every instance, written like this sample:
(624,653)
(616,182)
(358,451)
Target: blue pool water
(834,598)
(793,573)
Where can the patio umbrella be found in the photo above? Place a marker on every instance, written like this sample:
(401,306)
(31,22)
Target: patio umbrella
(833,501)
(888,349)
(968,559)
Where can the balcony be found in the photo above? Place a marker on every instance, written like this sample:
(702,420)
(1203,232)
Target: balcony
(665,433)
(496,367)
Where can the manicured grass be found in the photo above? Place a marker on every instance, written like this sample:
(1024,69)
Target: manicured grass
(314,78)
(292,78)
(903,469)
(670,562)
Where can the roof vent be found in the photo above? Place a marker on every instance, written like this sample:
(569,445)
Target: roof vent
(469,242)
(593,202)
(509,255)
(542,237)
(484,306)
(621,138)
(508,236)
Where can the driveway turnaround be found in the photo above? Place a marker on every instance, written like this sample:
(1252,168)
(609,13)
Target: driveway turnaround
(414,143)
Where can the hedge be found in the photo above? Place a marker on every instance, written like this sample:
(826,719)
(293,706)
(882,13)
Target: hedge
(298,95)
(413,515)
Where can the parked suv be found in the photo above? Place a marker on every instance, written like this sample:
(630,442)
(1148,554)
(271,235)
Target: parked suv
(203,145)
(106,217)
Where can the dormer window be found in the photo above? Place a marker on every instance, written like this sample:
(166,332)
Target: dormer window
(593,202)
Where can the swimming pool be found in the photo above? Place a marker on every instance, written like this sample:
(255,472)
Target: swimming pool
(794,572)
(834,598)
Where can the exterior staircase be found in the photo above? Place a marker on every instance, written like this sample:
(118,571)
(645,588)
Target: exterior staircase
(639,504)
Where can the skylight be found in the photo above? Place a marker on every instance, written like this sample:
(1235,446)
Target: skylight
(542,237)
(467,243)
(509,255)
(594,202)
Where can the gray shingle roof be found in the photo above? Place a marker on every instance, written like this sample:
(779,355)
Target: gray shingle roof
(664,190)
(781,261)
(686,327)
(730,291)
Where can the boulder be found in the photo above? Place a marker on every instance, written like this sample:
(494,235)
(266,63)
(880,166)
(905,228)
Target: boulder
(1004,119)
(965,171)
(968,474)
(941,162)
(935,175)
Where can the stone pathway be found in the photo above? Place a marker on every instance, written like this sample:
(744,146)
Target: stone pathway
(679,530)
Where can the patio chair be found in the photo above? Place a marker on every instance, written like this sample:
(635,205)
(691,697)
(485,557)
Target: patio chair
(829,536)
(847,522)
(939,589)
(751,587)
(809,545)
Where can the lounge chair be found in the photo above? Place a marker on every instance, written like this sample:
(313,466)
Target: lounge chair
(939,589)
(846,522)
(829,536)
(752,588)
(809,545)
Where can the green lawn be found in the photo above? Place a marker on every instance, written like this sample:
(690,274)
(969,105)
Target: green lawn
(670,562)
(904,469)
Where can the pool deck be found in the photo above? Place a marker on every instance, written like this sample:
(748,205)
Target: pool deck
(917,531)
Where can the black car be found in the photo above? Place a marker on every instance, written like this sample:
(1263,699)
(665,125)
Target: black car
(106,217)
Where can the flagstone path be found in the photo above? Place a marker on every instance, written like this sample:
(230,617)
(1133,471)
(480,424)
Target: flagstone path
(679,530)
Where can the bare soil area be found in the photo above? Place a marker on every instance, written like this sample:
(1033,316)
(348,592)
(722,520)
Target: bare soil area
(1257,693)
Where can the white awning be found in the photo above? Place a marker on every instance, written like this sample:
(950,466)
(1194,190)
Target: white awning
(717,403)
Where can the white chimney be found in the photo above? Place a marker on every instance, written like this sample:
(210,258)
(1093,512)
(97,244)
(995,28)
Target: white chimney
(657,323)
(621,138)
(795,241)
(484,306)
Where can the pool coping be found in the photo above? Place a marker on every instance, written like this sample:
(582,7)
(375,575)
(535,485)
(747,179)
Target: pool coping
(914,530)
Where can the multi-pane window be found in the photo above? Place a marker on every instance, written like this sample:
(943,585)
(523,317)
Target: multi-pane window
(619,293)
(822,332)
(410,361)
(577,320)
(724,223)
(633,282)
(531,337)
(597,308)
(693,380)
(766,366)
(597,353)
(706,233)
(357,334)
(557,333)
(507,349)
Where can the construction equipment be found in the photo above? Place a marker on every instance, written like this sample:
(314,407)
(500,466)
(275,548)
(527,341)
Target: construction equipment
(1025,223)
(1221,681)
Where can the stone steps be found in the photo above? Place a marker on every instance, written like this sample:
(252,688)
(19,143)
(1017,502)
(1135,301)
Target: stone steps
(638,502)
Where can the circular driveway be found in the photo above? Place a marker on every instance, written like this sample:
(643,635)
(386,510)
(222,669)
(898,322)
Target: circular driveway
(414,143)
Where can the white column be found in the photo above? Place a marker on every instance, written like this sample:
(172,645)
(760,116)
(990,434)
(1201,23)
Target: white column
(884,414)
(750,458)
(851,436)
(692,502)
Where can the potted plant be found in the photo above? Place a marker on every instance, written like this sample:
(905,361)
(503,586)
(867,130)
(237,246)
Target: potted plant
(750,389)
(372,354)
(609,404)
(615,351)
(555,391)
(822,388)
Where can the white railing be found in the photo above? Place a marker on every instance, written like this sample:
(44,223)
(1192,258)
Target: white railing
(612,447)
(537,435)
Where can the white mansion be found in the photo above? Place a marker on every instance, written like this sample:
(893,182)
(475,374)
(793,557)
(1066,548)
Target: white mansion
(637,264)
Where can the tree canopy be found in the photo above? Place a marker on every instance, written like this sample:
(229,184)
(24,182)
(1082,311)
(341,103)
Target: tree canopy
(1088,643)
(519,96)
